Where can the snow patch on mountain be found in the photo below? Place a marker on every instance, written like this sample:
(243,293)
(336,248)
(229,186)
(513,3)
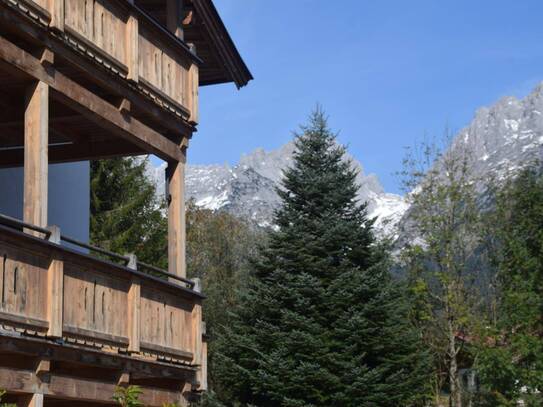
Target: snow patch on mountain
(248,189)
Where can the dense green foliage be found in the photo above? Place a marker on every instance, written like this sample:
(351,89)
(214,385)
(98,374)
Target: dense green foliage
(309,314)
(510,362)
(441,263)
(126,215)
(321,323)
(128,396)
(218,248)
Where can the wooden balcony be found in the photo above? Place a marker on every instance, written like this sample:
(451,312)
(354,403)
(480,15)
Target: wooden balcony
(122,38)
(55,294)
(87,80)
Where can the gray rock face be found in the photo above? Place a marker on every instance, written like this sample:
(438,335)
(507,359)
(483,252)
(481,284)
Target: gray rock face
(502,139)
(505,137)
(247,189)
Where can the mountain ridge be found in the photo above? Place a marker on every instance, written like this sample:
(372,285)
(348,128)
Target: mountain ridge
(503,138)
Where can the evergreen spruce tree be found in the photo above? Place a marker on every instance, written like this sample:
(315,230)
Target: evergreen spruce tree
(126,215)
(322,324)
(510,362)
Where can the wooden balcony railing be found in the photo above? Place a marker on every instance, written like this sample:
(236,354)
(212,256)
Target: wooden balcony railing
(54,291)
(123,38)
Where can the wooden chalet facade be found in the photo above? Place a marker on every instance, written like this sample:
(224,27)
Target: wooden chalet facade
(92,79)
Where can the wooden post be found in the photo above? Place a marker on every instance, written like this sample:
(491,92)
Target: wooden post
(175,182)
(132,48)
(36,133)
(174,17)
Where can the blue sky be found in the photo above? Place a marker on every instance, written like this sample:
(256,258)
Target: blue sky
(385,71)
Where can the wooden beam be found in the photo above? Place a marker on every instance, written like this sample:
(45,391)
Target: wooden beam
(175,179)
(90,105)
(74,354)
(36,141)
(74,152)
(76,389)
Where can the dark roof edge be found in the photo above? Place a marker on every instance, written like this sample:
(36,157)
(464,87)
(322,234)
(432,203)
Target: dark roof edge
(233,62)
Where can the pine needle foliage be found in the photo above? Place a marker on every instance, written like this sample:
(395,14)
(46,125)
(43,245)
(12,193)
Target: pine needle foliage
(322,323)
(510,362)
(126,215)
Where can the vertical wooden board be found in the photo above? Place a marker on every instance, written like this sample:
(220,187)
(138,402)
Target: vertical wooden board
(134,315)
(94,301)
(23,282)
(152,316)
(55,288)
(165,319)
(193,90)
(196,333)
(150,67)
(110,26)
(80,17)
(168,75)
(56,8)
(132,47)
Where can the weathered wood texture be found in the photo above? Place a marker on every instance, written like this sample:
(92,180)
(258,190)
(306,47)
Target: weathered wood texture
(66,387)
(175,175)
(90,105)
(129,44)
(36,133)
(96,298)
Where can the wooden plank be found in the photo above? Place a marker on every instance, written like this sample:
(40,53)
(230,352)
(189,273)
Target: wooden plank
(90,105)
(193,95)
(22,320)
(175,174)
(134,316)
(167,351)
(90,334)
(196,332)
(55,294)
(56,9)
(132,48)
(36,136)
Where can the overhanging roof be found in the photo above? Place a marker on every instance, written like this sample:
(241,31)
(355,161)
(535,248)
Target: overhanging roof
(203,27)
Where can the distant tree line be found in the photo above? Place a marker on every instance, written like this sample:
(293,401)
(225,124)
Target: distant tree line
(308,313)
